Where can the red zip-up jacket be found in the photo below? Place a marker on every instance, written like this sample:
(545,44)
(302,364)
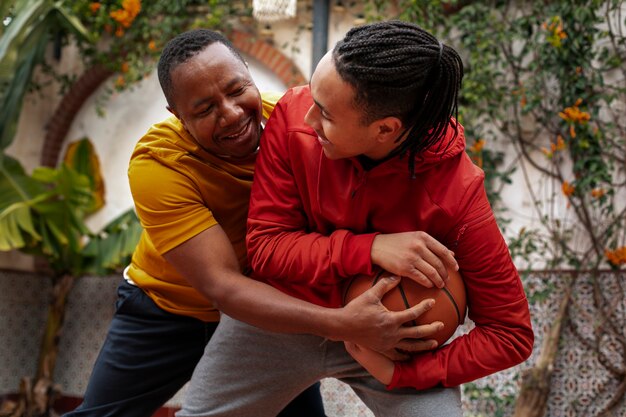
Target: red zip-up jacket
(312,221)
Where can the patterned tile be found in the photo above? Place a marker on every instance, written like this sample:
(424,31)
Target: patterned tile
(582,385)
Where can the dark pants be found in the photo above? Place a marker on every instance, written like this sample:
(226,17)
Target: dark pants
(147,357)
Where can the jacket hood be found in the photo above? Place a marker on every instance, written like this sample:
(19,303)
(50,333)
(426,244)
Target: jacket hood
(449,147)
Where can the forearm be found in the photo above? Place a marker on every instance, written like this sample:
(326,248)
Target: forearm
(264,306)
(485,350)
(310,259)
(215,274)
(502,336)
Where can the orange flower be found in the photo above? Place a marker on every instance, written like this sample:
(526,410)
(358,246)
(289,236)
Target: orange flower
(597,192)
(554,147)
(560,143)
(95,6)
(120,82)
(477,146)
(567,188)
(556,32)
(573,114)
(616,257)
(152,45)
(119,32)
(129,11)
(523,101)
(124,67)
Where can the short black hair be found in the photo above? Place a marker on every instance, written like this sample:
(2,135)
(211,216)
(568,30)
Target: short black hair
(399,69)
(184,47)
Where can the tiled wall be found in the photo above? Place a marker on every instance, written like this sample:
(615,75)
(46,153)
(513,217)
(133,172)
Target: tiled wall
(581,385)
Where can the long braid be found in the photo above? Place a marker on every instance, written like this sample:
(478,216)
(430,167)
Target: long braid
(183,47)
(398,69)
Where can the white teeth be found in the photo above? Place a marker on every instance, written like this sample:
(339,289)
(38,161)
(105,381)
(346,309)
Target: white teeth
(237,133)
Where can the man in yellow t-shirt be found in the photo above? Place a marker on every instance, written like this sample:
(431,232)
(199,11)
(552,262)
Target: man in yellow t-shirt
(190,177)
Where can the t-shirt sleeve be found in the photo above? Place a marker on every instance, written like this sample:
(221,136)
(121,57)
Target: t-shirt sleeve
(168,203)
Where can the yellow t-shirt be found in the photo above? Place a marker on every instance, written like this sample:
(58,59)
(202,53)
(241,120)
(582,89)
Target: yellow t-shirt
(180,190)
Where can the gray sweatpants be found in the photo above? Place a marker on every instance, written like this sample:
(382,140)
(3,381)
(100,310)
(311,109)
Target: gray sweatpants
(249,372)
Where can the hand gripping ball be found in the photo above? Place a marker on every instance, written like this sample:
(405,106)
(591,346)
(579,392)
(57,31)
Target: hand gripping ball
(450,302)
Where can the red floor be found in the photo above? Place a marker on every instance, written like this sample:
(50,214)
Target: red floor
(66,403)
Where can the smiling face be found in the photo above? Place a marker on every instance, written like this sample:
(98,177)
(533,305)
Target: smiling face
(339,124)
(216,100)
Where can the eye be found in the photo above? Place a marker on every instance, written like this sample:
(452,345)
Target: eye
(206,110)
(238,91)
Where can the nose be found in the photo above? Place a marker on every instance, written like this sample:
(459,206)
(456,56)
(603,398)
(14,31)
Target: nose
(312,117)
(230,112)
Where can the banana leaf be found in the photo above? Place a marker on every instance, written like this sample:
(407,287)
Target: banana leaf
(81,156)
(16,192)
(13,95)
(22,48)
(111,249)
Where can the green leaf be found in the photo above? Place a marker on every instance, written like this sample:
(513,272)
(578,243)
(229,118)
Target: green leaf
(27,13)
(12,221)
(111,249)
(22,48)
(72,23)
(11,100)
(82,157)
(15,185)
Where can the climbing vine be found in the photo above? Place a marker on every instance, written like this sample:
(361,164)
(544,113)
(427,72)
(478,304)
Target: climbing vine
(543,103)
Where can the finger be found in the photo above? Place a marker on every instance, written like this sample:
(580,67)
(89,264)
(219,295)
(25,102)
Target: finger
(351,348)
(422,331)
(414,346)
(424,274)
(395,355)
(410,314)
(384,285)
(433,268)
(445,255)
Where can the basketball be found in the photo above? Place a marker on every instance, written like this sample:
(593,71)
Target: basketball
(449,307)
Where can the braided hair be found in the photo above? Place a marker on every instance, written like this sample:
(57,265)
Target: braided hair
(184,47)
(398,69)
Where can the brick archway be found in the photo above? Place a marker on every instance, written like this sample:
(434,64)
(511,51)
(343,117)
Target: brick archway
(64,115)
(268,55)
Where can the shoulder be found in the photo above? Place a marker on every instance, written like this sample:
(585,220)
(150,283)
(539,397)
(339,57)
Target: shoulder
(455,184)
(165,141)
(286,128)
(293,107)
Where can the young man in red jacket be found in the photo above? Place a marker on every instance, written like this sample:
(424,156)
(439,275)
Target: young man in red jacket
(357,171)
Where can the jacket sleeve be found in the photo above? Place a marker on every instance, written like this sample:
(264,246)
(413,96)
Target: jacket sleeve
(502,336)
(280,244)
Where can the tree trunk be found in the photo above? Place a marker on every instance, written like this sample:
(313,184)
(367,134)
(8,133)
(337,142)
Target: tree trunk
(56,316)
(535,389)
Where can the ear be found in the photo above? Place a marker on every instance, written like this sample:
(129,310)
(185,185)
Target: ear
(175,113)
(388,129)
